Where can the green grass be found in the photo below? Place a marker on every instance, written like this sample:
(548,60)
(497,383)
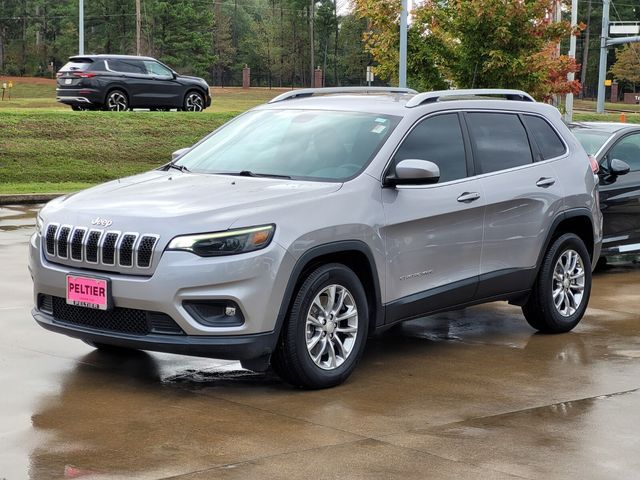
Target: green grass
(59,151)
(608,106)
(45,147)
(606,117)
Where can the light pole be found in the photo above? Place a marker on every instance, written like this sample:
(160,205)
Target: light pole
(404,15)
(602,72)
(572,54)
(81,28)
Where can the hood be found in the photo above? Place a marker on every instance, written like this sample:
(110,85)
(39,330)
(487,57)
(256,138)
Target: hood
(171,203)
(191,79)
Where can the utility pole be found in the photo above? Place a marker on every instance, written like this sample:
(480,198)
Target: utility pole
(404,19)
(605,43)
(585,51)
(602,71)
(572,54)
(138,25)
(312,44)
(81,28)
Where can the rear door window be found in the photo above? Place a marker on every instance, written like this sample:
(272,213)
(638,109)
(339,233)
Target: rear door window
(127,66)
(499,141)
(437,139)
(547,140)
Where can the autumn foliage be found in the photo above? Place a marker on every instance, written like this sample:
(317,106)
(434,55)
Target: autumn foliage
(479,43)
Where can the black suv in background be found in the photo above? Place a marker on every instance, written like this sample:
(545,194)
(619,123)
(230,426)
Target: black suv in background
(122,82)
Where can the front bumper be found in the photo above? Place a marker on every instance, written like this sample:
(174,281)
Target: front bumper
(255,281)
(238,347)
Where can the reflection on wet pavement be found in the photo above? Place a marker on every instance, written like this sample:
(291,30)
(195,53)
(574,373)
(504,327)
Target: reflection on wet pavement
(471,394)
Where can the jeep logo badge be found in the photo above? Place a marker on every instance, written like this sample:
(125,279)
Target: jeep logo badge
(102,222)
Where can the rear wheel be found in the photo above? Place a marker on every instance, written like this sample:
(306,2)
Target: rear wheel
(325,332)
(561,292)
(193,102)
(117,101)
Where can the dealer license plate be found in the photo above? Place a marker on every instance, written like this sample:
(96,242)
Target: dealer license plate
(88,292)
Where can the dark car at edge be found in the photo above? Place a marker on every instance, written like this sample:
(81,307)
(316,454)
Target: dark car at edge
(123,82)
(616,148)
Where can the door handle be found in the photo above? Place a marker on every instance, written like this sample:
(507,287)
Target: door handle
(545,182)
(468,197)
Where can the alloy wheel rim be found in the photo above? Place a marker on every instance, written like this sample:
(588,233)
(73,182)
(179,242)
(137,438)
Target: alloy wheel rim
(568,283)
(117,102)
(194,103)
(331,327)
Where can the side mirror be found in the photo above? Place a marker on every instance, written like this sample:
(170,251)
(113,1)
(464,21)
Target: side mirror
(618,167)
(414,172)
(178,153)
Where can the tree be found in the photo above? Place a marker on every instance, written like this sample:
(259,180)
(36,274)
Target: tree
(493,43)
(475,44)
(627,65)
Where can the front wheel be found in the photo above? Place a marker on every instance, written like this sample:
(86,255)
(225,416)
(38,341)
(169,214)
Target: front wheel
(193,102)
(325,332)
(561,292)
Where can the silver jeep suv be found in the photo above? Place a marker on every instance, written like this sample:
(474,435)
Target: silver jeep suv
(298,229)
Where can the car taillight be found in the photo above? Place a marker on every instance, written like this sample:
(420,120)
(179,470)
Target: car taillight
(595,167)
(84,75)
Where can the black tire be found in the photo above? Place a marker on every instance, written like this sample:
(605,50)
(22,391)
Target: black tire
(540,309)
(193,102)
(116,101)
(292,360)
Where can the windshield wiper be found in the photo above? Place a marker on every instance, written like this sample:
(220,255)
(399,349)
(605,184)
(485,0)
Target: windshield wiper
(180,168)
(249,173)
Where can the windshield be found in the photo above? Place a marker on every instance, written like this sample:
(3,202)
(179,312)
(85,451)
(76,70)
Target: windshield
(591,140)
(302,144)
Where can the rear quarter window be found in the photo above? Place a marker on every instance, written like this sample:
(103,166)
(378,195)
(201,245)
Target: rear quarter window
(77,65)
(547,140)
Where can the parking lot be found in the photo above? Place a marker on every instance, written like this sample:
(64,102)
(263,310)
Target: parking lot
(468,394)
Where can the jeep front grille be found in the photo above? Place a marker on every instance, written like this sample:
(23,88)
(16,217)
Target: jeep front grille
(113,249)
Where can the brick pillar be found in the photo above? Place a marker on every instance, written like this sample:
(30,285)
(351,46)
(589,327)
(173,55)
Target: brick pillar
(318,78)
(246,77)
(614,92)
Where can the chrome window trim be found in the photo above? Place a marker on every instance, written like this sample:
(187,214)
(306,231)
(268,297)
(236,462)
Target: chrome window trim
(481,175)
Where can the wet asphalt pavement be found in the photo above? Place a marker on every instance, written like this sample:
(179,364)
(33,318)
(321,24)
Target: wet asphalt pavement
(471,394)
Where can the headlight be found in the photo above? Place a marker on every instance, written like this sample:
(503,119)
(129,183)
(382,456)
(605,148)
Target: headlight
(225,243)
(39,224)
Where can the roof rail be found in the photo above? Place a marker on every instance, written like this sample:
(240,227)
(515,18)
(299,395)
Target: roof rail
(431,97)
(309,92)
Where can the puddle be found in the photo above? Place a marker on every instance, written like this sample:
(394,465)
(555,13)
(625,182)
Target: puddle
(204,378)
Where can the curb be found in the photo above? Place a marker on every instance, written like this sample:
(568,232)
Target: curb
(27,198)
